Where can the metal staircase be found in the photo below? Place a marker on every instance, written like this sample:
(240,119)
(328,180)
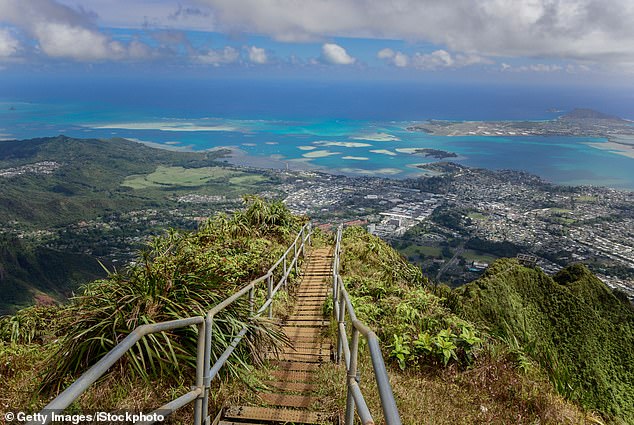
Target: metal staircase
(291,396)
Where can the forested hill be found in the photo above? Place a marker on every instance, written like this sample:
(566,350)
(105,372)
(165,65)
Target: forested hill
(578,330)
(59,180)
(40,274)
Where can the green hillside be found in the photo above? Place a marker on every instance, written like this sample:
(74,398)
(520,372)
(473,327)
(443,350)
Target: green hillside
(446,369)
(42,274)
(181,274)
(579,332)
(88,181)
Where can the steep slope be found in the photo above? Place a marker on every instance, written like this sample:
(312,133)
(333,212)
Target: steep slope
(446,369)
(572,324)
(41,274)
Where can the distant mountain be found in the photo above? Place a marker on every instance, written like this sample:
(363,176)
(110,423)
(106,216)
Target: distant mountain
(589,114)
(572,324)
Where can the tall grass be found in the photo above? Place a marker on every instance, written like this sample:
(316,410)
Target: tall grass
(179,275)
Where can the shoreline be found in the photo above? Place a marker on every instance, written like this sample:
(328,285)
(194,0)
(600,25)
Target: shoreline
(239,157)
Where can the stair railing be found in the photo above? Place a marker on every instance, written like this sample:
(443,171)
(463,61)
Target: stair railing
(349,351)
(205,371)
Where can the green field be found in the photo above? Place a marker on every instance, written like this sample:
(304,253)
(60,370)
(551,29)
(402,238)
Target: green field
(476,216)
(169,177)
(472,255)
(247,179)
(586,198)
(559,210)
(417,250)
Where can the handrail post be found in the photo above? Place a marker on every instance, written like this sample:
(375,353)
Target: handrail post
(200,372)
(285,270)
(209,321)
(252,300)
(352,374)
(269,293)
(342,318)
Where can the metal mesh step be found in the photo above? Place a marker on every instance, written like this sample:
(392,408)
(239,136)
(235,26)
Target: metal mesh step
(275,415)
(288,400)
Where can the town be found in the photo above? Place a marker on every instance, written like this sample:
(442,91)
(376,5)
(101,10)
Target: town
(453,224)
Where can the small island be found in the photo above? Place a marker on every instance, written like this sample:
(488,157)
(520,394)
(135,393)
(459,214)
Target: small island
(435,153)
(427,152)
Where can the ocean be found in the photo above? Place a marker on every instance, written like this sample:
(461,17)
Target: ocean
(355,128)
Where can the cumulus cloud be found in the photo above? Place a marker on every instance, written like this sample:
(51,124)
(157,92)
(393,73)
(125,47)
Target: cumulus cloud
(257,55)
(598,30)
(62,32)
(398,59)
(386,53)
(438,59)
(217,57)
(9,45)
(335,54)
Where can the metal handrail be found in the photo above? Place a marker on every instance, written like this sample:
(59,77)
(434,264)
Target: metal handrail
(349,352)
(205,372)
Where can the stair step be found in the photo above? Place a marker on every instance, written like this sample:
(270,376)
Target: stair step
(295,366)
(275,415)
(305,351)
(306,358)
(306,318)
(286,400)
(286,386)
(306,323)
(302,330)
(307,344)
(294,375)
(308,309)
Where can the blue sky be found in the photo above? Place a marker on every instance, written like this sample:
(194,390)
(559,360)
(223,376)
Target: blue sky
(529,41)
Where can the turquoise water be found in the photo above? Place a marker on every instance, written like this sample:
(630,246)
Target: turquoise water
(351,146)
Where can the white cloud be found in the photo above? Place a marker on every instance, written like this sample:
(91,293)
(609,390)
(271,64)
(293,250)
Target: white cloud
(335,54)
(9,45)
(386,53)
(398,59)
(61,32)
(542,68)
(59,40)
(438,59)
(217,57)
(257,55)
(597,30)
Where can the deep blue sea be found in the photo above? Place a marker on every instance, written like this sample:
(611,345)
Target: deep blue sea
(357,128)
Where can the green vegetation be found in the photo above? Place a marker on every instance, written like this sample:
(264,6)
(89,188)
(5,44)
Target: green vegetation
(40,273)
(178,177)
(446,369)
(103,197)
(181,274)
(572,325)
(388,295)
(99,177)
